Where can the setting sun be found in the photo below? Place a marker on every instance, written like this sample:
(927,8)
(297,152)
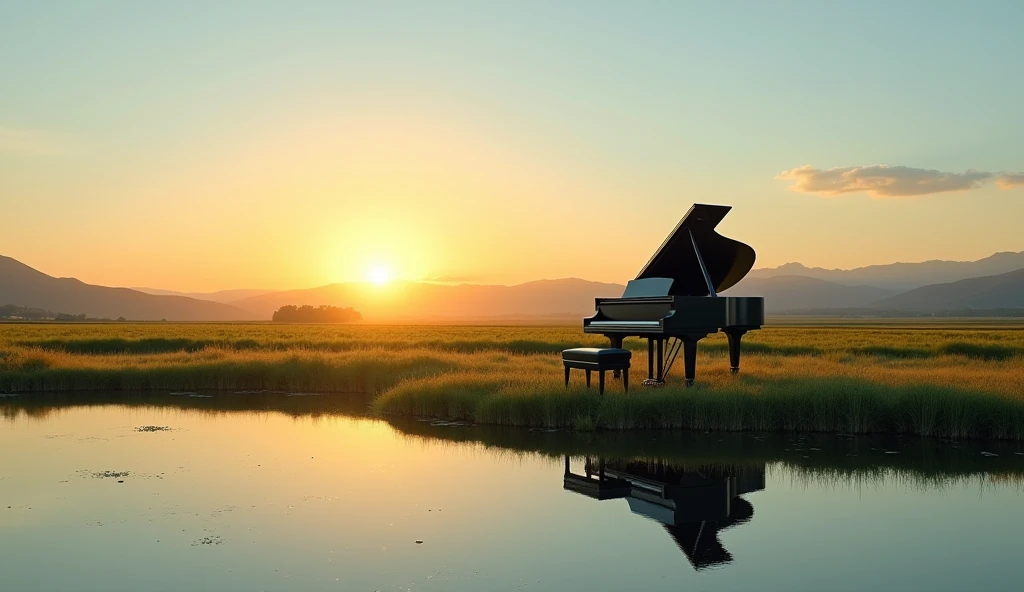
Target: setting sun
(378,274)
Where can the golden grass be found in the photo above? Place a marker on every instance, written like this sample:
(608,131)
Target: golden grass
(948,381)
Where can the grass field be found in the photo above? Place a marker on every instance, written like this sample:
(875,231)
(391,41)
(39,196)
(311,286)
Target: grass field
(958,380)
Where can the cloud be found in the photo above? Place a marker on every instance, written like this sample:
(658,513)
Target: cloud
(1010,180)
(881,180)
(29,141)
(451,279)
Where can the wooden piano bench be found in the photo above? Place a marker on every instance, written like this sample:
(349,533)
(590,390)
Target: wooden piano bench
(600,359)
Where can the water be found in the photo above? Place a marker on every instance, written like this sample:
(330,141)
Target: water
(298,493)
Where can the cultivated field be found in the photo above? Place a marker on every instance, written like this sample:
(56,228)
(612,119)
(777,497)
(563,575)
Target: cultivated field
(960,380)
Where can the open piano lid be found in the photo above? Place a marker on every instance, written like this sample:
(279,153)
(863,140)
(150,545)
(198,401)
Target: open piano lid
(726,260)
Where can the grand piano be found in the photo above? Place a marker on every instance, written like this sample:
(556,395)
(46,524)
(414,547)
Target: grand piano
(674,301)
(693,503)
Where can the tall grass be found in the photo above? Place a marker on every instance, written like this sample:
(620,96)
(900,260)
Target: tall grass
(36,370)
(153,338)
(950,382)
(827,404)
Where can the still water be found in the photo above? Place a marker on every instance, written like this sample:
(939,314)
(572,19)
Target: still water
(179,493)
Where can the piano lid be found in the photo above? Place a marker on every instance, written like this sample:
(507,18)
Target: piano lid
(726,260)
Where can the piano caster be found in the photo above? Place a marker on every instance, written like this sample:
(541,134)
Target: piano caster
(735,370)
(653,383)
(689,382)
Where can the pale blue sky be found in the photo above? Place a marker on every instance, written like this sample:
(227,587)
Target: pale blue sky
(220,144)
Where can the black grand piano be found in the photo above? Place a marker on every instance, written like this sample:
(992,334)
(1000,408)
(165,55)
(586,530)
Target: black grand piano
(674,301)
(693,503)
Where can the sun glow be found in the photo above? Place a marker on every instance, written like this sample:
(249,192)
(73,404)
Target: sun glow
(378,275)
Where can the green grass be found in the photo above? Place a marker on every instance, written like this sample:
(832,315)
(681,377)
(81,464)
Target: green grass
(952,381)
(826,404)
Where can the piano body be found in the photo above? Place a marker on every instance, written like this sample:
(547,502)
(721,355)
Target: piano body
(674,301)
(693,503)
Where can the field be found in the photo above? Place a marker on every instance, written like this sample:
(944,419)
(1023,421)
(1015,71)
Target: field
(957,380)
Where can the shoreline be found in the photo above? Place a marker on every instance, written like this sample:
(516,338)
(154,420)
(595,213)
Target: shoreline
(852,409)
(929,382)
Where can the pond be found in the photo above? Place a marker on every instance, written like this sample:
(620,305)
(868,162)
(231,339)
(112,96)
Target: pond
(273,492)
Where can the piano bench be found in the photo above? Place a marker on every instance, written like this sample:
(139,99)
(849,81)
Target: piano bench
(600,359)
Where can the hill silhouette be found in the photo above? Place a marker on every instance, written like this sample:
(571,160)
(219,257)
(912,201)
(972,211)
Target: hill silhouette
(413,301)
(223,296)
(1005,290)
(793,292)
(22,285)
(559,300)
(900,277)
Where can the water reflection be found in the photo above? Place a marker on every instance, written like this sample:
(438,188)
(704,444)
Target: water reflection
(927,462)
(694,504)
(279,491)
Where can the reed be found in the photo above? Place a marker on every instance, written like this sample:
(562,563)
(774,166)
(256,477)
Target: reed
(801,404)
(950,382)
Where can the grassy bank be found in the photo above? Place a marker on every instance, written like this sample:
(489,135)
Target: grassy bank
(957,381)
(817,457)
(798,394)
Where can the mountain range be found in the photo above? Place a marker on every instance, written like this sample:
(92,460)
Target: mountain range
(223,296)
(990,283)
(23,286)
(1005,290)
(900,277)
(797,292)
(427,301)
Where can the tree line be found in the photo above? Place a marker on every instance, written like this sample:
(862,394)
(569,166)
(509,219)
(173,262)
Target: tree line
(316,314)
(14,312)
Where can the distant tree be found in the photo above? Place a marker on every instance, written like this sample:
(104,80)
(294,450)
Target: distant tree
(23,313)
(318,314)
(122,320)
(13,312)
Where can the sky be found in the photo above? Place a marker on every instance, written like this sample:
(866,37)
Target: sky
(215,145)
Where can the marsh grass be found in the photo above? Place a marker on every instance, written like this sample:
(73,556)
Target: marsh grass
(948,382)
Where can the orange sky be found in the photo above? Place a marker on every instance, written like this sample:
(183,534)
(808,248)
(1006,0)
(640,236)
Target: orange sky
(267,149)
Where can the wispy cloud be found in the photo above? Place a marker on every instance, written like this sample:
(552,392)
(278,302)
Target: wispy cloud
(1010,180)
(30,141)
(451,279)
(881,180)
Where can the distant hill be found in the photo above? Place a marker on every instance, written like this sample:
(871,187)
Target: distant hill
(902,276)
(1005,290)
(417,301)
(792,292)
(23,286)
(223,296)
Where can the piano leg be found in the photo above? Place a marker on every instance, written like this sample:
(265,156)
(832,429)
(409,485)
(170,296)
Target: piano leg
(734,336)
(616,342)
(566,377)
(655,358)
(661,360)
(690,359)
(650,358)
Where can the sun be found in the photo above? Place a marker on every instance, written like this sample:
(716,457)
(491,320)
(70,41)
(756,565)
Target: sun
(378,274)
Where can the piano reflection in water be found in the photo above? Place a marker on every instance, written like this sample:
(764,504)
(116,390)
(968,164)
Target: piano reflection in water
(693,503)
(674,301)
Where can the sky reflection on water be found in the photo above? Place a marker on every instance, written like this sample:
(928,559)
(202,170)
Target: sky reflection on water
(284,500)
